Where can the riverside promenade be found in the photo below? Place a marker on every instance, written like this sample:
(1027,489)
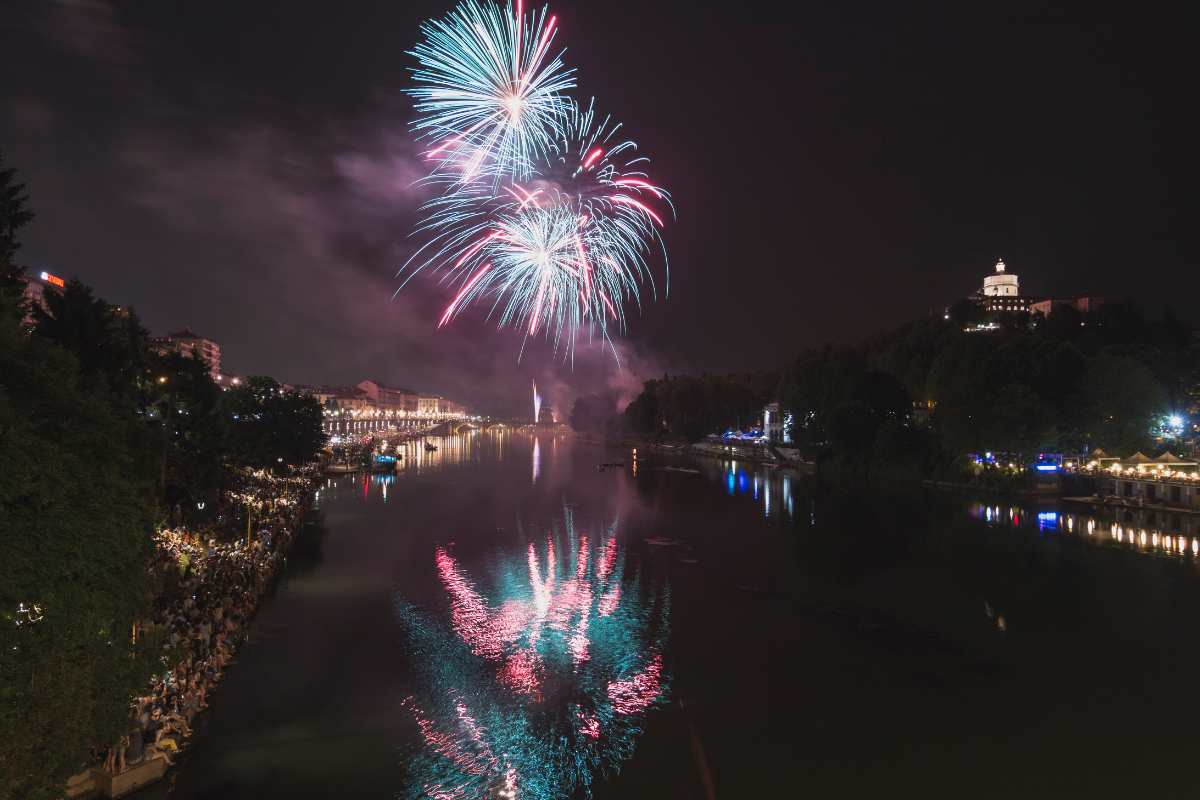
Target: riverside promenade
(211,590)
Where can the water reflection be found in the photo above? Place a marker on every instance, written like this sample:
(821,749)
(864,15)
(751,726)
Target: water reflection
(772,487)
(461,448)
(1141,530)
(533,680)
(537,459)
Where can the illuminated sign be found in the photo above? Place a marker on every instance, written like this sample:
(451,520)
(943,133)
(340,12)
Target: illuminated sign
(54,280)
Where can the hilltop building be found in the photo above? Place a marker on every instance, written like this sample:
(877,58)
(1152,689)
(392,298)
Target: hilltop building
(1001,292)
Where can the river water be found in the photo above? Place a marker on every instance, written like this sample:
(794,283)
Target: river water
(501,618)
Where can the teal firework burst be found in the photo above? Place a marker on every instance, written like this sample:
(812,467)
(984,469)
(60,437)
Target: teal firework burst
(489,96)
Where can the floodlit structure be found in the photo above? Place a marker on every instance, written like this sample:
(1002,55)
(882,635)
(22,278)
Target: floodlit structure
(1001,292)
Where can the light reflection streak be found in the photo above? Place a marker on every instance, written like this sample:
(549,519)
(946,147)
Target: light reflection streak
(772,488)
(539,678)
(1137,532)
(537,460)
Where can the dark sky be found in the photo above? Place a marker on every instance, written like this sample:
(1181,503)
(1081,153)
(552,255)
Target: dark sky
(245,169)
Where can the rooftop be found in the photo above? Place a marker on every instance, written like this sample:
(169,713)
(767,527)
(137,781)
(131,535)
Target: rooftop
(186,333)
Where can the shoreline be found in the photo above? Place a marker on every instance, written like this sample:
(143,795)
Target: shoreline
(749,453)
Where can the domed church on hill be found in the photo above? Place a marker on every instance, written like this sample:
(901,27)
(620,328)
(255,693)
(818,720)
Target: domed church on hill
(1001,291)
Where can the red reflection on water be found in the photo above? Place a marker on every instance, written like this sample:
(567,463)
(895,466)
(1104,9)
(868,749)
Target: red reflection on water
(589,725)
(634,694)
(562,609)
(563,606)
(453,746)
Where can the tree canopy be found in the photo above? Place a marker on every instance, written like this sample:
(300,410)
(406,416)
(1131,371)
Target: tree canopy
(101,438)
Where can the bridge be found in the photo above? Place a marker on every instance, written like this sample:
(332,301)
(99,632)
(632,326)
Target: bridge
(358,423)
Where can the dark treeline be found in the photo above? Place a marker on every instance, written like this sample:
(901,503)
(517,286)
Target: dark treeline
(678,406)
(101,440)
(916,399)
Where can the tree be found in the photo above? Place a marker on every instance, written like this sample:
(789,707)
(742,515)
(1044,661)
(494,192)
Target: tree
(1121,398)
(14,212)
(591,412)
(14,215)
(271,427)
(110,343)
(642,413)
(75,517)
(965,312)
(194,434)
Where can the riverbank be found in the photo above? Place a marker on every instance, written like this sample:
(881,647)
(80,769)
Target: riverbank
(211,590)
(752,453)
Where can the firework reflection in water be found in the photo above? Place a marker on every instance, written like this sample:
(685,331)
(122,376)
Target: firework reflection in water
(540,686)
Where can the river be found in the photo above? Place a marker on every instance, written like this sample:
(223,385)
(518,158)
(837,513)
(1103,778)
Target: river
(501,618)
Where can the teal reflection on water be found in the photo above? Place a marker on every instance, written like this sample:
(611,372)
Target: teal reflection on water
(534,679)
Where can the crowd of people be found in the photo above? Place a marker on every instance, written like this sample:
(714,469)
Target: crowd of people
(211,590)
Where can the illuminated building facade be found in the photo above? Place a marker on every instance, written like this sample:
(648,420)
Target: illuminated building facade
(371,407)
(777,424)
(389,397)
(35,290)
(1001,292)
(187,343)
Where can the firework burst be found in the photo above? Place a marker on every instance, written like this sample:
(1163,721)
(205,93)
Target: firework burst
(489,97)
(556,241)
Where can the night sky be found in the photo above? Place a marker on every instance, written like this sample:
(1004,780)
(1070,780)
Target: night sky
(245,169)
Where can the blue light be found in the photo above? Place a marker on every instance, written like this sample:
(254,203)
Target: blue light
(730,481)
(1047,468)
(1048,520)
(743,482)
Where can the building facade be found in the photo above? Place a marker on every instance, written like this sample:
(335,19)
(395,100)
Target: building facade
(372,407)
(36,287)
(1085,304)
(390,397)
(187,343)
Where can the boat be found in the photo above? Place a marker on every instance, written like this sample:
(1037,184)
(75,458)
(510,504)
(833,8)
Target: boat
(340,469)
(429,448)
(383,464)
